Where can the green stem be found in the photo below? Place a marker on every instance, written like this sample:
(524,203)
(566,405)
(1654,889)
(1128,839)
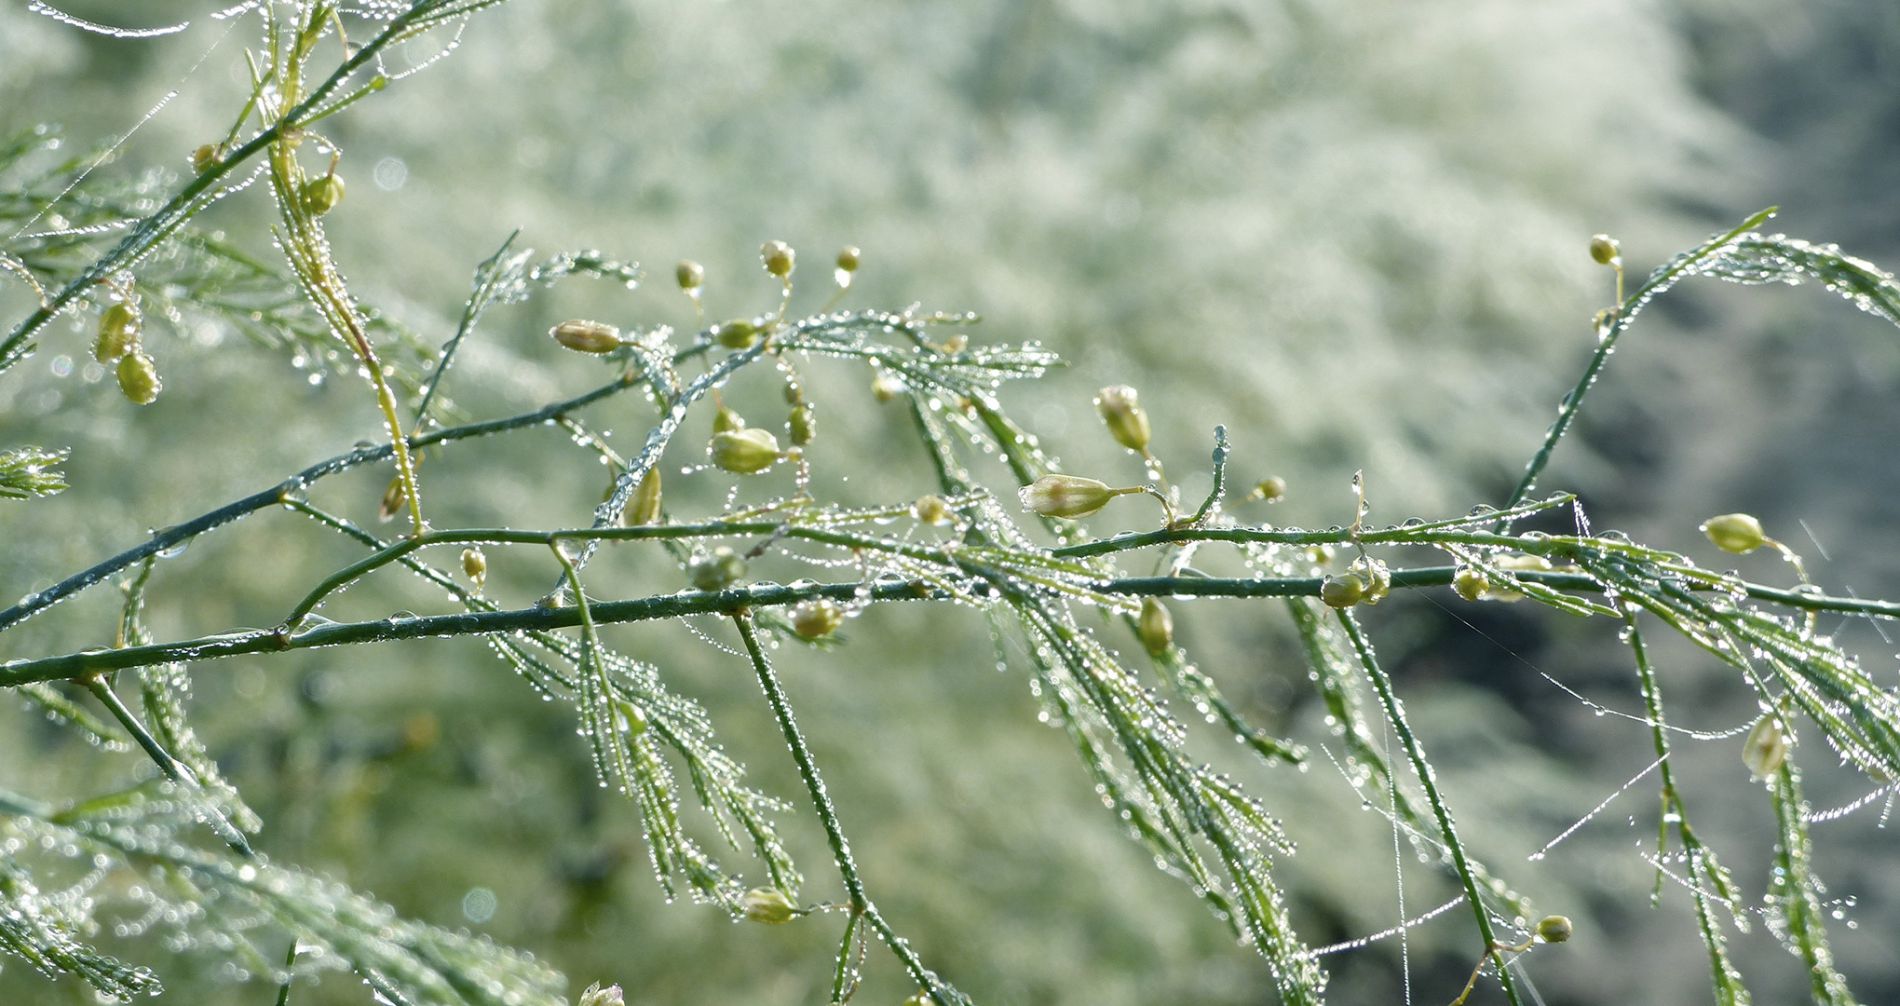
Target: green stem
(55,668)
(1626,312)
(170,766)
(1415,752)
(860,902)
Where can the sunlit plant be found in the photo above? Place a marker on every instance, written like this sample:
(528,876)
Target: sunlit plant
(998,533)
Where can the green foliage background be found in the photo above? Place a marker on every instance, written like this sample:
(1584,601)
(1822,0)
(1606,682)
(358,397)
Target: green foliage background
(1353,232)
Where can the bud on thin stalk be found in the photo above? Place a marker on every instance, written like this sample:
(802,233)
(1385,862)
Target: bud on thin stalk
(645,506)
(767,905)
(1155,626)
(475,566)
(1121,410)
(817,618)
(745,452)
(138,378)
(1735,532)
(1069,496)
(584,336)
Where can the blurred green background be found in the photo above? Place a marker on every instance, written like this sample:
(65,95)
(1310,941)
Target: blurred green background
(1352,232)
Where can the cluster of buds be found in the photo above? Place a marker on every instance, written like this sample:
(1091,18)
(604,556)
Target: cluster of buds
(118,342)
(1366,581)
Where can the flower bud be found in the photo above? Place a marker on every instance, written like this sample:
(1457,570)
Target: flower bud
(1765,747)
(725,420)
(1270,490)
(1067,496)
(1469,582)
(475,564)
(816,619)
(745,452)
(205,158)
(1155,627)
(320,195)
(737,334)
(1343,591)
(1605,250)
(886,387)
(138,378)
(597,996)
(691,274)
(118,332)
(930,509)
(848,258)
(1735,532)
(586,336)
(1521,563)
(644,508)
(393,499)
(767,905)
(803,426)
(1127,421)
(1553,928)
(1377,575)
(715,570)
(778,258)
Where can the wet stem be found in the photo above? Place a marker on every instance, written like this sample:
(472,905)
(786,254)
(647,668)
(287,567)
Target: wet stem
(309,253)
(860,903)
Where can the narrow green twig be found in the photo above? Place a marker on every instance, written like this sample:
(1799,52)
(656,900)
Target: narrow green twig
(1415,752)
(860,902)
(1626,312)
(173,769)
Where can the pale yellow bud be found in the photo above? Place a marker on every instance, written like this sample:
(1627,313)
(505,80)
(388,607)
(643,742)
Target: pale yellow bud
(1343,591)
(778,258)
(586,336)
(930,509)
(320,195)
(745,452)
(1604,249)
(1553,929)
(1067,496)
(768,905)
(475,565)
(816,619)
(1765,747)
(1155,626)
(138,378)
(1469,582)
(690,274)
(1122,412)
(118,332)
(1735,532)
(644,508)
